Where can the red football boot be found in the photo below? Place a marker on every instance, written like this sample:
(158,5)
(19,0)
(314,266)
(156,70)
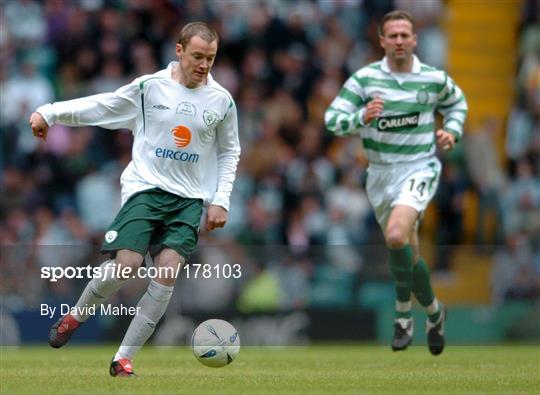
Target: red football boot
(62,330)
(121,368)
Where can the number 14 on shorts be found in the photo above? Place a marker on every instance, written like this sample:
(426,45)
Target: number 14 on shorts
(417,186)
(206,271)
(420,185)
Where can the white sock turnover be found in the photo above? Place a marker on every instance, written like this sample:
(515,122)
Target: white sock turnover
(150,309)
(98,290)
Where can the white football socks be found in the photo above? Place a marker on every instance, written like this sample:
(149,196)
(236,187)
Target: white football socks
(433,307)
(150,309)
(403,307)
(98,290)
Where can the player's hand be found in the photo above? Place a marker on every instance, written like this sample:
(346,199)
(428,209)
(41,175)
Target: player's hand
(216,217)
(445,140)
(39,126)
(373,110)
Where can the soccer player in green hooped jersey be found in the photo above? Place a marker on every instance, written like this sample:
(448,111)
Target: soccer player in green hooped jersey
(391,105)
(185,153)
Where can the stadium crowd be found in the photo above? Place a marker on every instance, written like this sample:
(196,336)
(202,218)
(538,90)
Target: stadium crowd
(298,189)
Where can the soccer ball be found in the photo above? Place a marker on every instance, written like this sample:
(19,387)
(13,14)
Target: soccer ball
(215,343)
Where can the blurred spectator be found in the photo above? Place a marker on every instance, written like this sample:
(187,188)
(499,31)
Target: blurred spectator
(261,292)
(348,203)
(21,93)
(432,46)
(521,129)
(514,275)
(218,291)
(487,175)
(98,199)
(522,201)
(449,205)
(110,77)
(25,21)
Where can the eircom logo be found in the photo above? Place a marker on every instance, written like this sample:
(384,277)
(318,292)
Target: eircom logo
(182,136)
(177,155)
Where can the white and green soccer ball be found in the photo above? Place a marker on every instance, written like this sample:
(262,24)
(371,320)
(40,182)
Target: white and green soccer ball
(215,343)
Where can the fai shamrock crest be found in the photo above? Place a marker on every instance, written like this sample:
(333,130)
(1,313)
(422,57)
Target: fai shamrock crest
(111,236)
(210,117)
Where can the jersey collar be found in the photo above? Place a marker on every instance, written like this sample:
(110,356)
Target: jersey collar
(415,65)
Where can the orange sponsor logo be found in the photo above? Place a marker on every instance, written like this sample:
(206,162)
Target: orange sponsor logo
(182,136)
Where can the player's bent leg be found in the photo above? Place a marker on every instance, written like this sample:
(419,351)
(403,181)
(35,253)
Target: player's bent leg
(95,293)
(151,307)
(400,224)
(128,262)
(169,263)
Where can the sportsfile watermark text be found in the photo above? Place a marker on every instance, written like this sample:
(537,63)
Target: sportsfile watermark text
(113,270)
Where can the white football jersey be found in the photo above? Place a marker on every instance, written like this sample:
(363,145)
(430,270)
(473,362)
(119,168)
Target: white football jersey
(185,140)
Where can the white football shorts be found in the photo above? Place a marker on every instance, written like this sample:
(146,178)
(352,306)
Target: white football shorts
(410,184)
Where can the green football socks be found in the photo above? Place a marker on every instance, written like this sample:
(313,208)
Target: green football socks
(401,266)
(421,287)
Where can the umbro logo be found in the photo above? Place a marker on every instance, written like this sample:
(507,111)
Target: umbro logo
(161,107)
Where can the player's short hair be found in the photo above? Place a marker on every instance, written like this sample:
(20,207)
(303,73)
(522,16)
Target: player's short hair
(395,16)
(201,29)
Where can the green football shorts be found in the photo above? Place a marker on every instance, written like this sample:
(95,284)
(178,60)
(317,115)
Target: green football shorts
(154,219)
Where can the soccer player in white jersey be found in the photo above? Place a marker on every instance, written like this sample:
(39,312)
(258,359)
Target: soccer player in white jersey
(185,154)
(391,105)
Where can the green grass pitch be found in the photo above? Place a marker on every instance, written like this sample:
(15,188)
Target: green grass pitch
(344,369)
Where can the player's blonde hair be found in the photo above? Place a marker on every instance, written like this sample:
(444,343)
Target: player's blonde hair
(201,29)
(395,16)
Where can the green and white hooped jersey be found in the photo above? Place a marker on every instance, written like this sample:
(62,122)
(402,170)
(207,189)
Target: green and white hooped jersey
(405,130)
(185,140)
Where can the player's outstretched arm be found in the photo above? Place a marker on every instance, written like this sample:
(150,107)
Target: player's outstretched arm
(40,128)
(112,110)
